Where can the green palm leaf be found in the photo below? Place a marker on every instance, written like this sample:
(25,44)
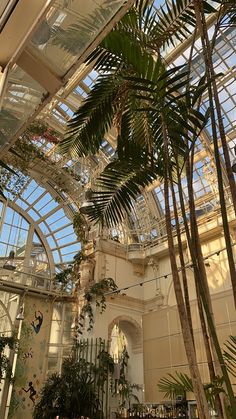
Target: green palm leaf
(119,184)
(174,385)
(93,119)
(229,355)
(181,383)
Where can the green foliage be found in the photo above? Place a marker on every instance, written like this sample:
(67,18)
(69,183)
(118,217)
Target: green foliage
(229,355)
(118,185)
(71,394)
(11,343)
(228,13)
(38,127)
(180,383)
(68,277)
(122,386)
(9,123)
(20,155)
(6,175)
(172,385)
(11,181)
(136,94)
(80,227)
(94,294)
(105,368)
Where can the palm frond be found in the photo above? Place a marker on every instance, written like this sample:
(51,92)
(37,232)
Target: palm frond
(93,119)
(118,186)
(174,385)
(229,355)
(228,17)
(181,383)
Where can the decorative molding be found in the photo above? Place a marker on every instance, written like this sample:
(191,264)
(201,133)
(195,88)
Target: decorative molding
(124,301)
(156,303)
(138,268)
(111,247)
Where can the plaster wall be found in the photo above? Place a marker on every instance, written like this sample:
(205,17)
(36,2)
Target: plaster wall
(162,339)
(111,261)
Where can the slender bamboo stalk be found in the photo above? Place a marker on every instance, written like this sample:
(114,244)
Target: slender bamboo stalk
(187,337)
(199,274)
(200,18)
(212,375)
(199,268)
(209,49)
(182,262)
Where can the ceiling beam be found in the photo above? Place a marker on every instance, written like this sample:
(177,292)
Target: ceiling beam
(38,71)
(25,17)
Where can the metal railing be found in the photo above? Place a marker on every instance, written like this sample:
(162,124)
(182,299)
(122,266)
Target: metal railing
(17,281)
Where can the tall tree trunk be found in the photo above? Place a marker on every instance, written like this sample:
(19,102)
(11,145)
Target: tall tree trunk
(187,337)
(206,340)
(209,46)
(200,18)
(182,262)
(199,268)
(194,257)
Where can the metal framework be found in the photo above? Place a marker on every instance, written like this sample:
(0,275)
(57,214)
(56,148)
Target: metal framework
(146,224)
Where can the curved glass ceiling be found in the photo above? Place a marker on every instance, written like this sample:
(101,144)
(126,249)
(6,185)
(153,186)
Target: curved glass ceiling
(147,220)
(52,219)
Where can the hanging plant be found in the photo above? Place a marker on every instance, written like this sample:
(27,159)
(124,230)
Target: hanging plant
(22,153)
(80,226)
(71,172)
(12,181)
(66,279)
(121,386)
(94,294)
(5,367)
(40,129)
(25,149)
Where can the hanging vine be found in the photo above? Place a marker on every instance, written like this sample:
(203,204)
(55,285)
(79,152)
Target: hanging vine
(81,227)
(69,276)
(95,294)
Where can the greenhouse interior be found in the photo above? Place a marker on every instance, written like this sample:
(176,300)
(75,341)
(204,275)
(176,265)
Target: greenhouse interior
(117,209)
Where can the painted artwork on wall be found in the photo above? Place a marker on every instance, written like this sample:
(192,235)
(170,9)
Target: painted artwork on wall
(37,322)
(32,357)
(32,392)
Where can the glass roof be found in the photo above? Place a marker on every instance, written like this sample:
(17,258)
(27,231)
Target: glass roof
(71,27)
(205,188)
(148,218)
(51,218)
(22,97)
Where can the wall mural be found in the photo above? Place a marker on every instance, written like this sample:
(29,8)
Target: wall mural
(32,357)
(32,392)
(39,318)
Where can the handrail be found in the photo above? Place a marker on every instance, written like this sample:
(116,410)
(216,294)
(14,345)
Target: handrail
(18,282)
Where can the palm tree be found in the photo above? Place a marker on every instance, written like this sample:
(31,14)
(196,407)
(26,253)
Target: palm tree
(179,383)
(137,95)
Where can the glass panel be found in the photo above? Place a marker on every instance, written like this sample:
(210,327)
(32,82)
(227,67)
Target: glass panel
(39,258)
(68,31)
(22,97)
